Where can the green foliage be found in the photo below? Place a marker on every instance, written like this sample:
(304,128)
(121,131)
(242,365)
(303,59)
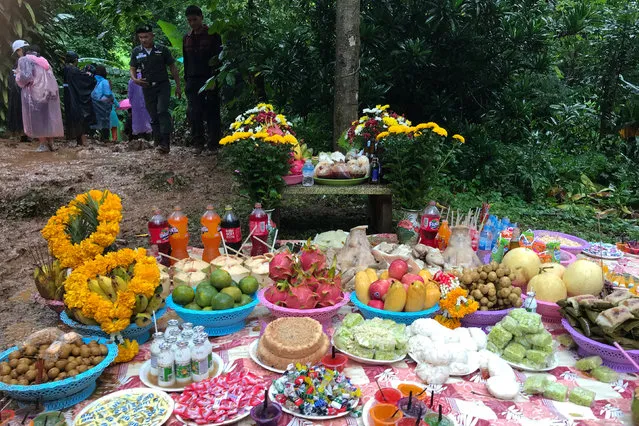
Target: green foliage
(258,168)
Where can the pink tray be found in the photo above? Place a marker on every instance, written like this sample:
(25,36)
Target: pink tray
(574,250)
(322,315)
(484,318)
(293,179)
(611,356)
(566,258)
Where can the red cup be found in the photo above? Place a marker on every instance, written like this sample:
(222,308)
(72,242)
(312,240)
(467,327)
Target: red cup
(390,396)
(338,363)
(405,421)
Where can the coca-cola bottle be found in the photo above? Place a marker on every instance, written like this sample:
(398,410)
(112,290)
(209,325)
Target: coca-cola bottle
(159,237)
(258,225)
(231,230)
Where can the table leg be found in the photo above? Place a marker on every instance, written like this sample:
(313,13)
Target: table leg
(380,213)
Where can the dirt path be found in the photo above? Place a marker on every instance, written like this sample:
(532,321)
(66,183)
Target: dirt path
(33,185)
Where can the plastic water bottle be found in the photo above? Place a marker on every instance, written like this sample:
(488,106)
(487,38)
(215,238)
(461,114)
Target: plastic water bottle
(485,239)
(307,174)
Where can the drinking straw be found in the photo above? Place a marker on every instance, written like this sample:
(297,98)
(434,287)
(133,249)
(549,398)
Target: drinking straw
(380,389)
(425,389)
(432,396)
(274,240)
(419,417)
(247,239)
(410,399)
(440,414)
(265,401)
(168,257)
(628,357)
(333,352)
(155,322)
(393,415)
(226,250)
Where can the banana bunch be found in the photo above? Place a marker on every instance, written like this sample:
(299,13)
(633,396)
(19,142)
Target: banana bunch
(144,307)
(302,152)
(49,280)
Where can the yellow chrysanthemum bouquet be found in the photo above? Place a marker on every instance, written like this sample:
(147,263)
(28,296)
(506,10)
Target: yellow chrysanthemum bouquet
(374,121)
(259,149)
(106,287)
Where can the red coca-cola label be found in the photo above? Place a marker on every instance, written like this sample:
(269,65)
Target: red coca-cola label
(430,224)
(159,235)
(258,227)
(232,235)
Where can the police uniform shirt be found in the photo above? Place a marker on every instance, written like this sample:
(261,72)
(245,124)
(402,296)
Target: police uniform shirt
(152,63)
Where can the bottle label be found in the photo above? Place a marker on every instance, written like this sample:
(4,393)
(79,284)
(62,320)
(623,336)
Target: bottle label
(173,230)
(159,236)
(204,229)
(258,227)
(199,367)
(210,361)
(232,235)
(154,361)
(165,374)
(430,224)
(183,371)
(375,175)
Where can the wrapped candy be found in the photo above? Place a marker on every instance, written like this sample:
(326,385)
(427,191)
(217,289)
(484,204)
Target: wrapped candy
(502,387)
(530,323)
(523,341)
(536,356)
(514,352)
(540,339)
(493,348)
(556,392)
(511,325)
(566,340)
(604,374)
(588,363)
(581,396)
(499,336)
(433,375)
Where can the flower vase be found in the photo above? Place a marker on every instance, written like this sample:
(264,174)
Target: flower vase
(408,227)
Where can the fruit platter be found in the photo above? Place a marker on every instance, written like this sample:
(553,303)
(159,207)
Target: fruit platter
(336,169)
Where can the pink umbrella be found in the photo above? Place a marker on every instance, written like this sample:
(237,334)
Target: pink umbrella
(125,104)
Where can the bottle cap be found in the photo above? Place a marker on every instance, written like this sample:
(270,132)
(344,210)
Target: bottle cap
(198,340)
(182,344)
(432,203)
(173,322)
(177,208)
(209,206)
(258,205)
(158,335)
(228,208)
(165,346)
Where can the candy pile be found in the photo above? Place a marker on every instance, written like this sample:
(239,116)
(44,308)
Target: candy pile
(221,398)
(316,391)
(132,410)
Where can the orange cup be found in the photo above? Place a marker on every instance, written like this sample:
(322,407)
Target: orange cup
(407,388)
(381,415)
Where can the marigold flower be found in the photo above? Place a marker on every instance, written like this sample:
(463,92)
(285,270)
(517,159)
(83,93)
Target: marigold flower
(460,138)
(440,131)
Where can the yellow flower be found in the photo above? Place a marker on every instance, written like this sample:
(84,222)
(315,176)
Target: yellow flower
(390,121)
(362,119)
(382,107)
(398,129)
(127,350)
(451,323)
(281,119)
(265,107)
(460,138)
(429,125)
(236,125)
(440,131)
(72,255)
(382,135)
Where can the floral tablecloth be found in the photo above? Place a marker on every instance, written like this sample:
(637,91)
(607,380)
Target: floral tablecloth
(465,399)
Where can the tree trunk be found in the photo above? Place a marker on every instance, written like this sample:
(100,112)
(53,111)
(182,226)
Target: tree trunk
(346,66)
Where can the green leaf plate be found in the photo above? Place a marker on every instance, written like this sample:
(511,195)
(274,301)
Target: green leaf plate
(340,182)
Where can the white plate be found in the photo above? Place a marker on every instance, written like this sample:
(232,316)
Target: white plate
(551,366)
(272,392)
(146,367)
(367,361)
(366,410)
(254,357)
(227,422)
(473,364)
(127,392)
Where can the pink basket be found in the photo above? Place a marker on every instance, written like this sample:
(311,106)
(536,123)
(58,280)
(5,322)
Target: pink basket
(293,179)
(549,311)
(611,356)
(484,318)
(322,315)
(566,258)
(583,244)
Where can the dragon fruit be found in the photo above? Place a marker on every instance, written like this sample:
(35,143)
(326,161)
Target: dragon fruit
(312,259)
(278,294)
(281,267)
(301,297)
(309,281)
(296,167)
(329,293)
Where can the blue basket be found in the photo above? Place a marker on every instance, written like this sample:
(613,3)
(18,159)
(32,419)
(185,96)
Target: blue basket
(399,317)
(64,393)
(132,332)
(216,323)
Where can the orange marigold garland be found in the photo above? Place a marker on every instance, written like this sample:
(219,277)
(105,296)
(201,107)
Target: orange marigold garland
(127,350)
(455,305)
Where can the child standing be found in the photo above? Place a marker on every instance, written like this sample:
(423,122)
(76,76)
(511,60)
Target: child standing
(103,101)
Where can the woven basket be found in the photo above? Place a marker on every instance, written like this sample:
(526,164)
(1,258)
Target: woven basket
(323,315)
(407,318)
(216,323)
(64,393)
(484,318)
(611,356)
(549,311)
(132,332)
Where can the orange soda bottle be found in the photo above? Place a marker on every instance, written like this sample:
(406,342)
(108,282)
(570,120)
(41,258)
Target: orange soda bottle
(443,235)
(179,234)
(210,234)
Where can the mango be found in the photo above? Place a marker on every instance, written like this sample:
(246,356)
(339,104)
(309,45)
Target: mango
(425,274)
(395,298)
(362,283)
(384,275)
(372,274)
(432,294)
(415,297)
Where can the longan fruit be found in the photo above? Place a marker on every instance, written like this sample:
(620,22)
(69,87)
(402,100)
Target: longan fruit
(518,303)
(49,365)
(73,373)
(492,277)
(23,382)
(82,368)
(70,366)
(13,363)
(95,350)
(484,301)
(5,369)
(75,351)
(30,350)
(14,374)
(500,272)
(517,291)
(53,373)
(15,355)
(63,375)
(103,350)
(30,375)
(492,292)
(22,368)
(483,308)
(61,363)
(483,275)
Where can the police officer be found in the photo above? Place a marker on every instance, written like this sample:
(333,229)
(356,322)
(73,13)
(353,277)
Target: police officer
(152,60)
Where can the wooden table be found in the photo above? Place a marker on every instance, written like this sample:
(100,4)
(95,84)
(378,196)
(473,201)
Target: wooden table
(380,201)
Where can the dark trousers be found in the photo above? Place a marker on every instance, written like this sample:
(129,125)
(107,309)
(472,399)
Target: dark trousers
(156,99)
(203,107)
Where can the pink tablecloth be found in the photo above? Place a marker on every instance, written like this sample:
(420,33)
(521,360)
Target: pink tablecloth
(465,399)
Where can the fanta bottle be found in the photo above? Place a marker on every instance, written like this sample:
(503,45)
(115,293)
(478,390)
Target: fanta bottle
(258,226)
(159,237)
(210,234)
(179,234)
(429,225)
(443,235)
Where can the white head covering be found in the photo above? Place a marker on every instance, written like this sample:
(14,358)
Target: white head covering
(18,44)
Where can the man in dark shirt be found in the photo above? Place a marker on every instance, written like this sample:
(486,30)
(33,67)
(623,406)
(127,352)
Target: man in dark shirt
(201,51)
(148,69)
(78,107)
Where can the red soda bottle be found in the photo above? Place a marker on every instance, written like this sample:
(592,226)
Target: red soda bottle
(258,226)
(159,237)
(429,225)
(231,231)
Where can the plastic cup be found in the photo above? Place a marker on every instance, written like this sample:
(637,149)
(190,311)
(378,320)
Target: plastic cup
(433,420)
(416,407)
(407,388)
(268,418)
(406,421)
(381,414)
(338,363)
(389,396)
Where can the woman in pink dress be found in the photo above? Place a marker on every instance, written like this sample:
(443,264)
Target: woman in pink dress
(41,114)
